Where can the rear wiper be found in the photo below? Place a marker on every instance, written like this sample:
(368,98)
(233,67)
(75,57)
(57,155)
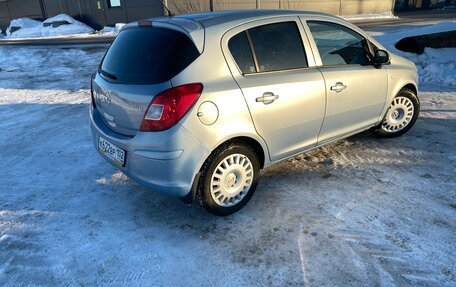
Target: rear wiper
(106,74)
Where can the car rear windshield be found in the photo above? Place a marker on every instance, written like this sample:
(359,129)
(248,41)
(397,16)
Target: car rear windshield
(147,56)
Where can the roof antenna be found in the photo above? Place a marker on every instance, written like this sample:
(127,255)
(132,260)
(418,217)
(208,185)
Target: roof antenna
(166,8)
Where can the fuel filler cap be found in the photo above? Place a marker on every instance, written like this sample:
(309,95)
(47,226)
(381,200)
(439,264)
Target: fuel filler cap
(208,113)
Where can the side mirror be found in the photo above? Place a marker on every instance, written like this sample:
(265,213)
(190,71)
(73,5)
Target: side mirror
(381,57)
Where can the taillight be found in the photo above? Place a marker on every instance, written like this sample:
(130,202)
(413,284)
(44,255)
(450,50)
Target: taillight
(170,106)
(91,94)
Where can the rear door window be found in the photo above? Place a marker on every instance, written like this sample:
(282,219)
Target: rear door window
(147,56)
(242,54)
(275,47)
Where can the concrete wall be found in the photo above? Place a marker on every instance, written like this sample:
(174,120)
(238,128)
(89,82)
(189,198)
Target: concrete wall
(338,7)
(326,6)
(188,6)
(351,7)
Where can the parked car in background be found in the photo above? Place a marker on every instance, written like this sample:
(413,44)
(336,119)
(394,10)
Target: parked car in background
(195,105)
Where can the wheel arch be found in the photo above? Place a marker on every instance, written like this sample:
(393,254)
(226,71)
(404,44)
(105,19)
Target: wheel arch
(204,185)
(259,150)
(411,87)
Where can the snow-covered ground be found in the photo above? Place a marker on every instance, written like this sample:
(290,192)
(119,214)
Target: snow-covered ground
(360,212)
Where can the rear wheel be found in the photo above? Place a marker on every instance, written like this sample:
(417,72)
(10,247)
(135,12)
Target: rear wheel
(400,116)
(229,179)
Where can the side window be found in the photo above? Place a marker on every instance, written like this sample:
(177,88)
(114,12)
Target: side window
(240,49)
(339,45)
(278,46)
(275,47)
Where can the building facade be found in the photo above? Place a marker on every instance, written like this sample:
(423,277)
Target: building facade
(99,13)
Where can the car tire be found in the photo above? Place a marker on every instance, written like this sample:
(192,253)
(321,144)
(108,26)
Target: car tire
(400,116)
(229,178)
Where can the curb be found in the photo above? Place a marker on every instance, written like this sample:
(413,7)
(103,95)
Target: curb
(97,41)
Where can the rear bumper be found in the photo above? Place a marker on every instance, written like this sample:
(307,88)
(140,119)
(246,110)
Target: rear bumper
(166,161)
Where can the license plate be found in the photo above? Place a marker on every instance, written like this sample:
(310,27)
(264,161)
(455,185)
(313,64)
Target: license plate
(112,151)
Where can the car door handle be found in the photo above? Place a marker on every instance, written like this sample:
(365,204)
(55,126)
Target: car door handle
(339,87)
(267,98)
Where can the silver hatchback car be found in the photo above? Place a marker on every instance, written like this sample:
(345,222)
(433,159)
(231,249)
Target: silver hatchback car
(195,105)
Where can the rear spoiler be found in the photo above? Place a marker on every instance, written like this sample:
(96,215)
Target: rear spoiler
(194,30)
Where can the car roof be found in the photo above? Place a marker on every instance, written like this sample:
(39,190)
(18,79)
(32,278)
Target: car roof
(210,19)
(195,24)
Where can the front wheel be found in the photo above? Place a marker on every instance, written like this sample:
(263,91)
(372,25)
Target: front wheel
(229,179)
(400,116)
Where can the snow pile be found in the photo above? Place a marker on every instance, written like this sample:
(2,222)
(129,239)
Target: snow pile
(372,16)
(74,27)
(59,18)
(108,30)
(112,30)
(24,27)
(55,26)
(435,66)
